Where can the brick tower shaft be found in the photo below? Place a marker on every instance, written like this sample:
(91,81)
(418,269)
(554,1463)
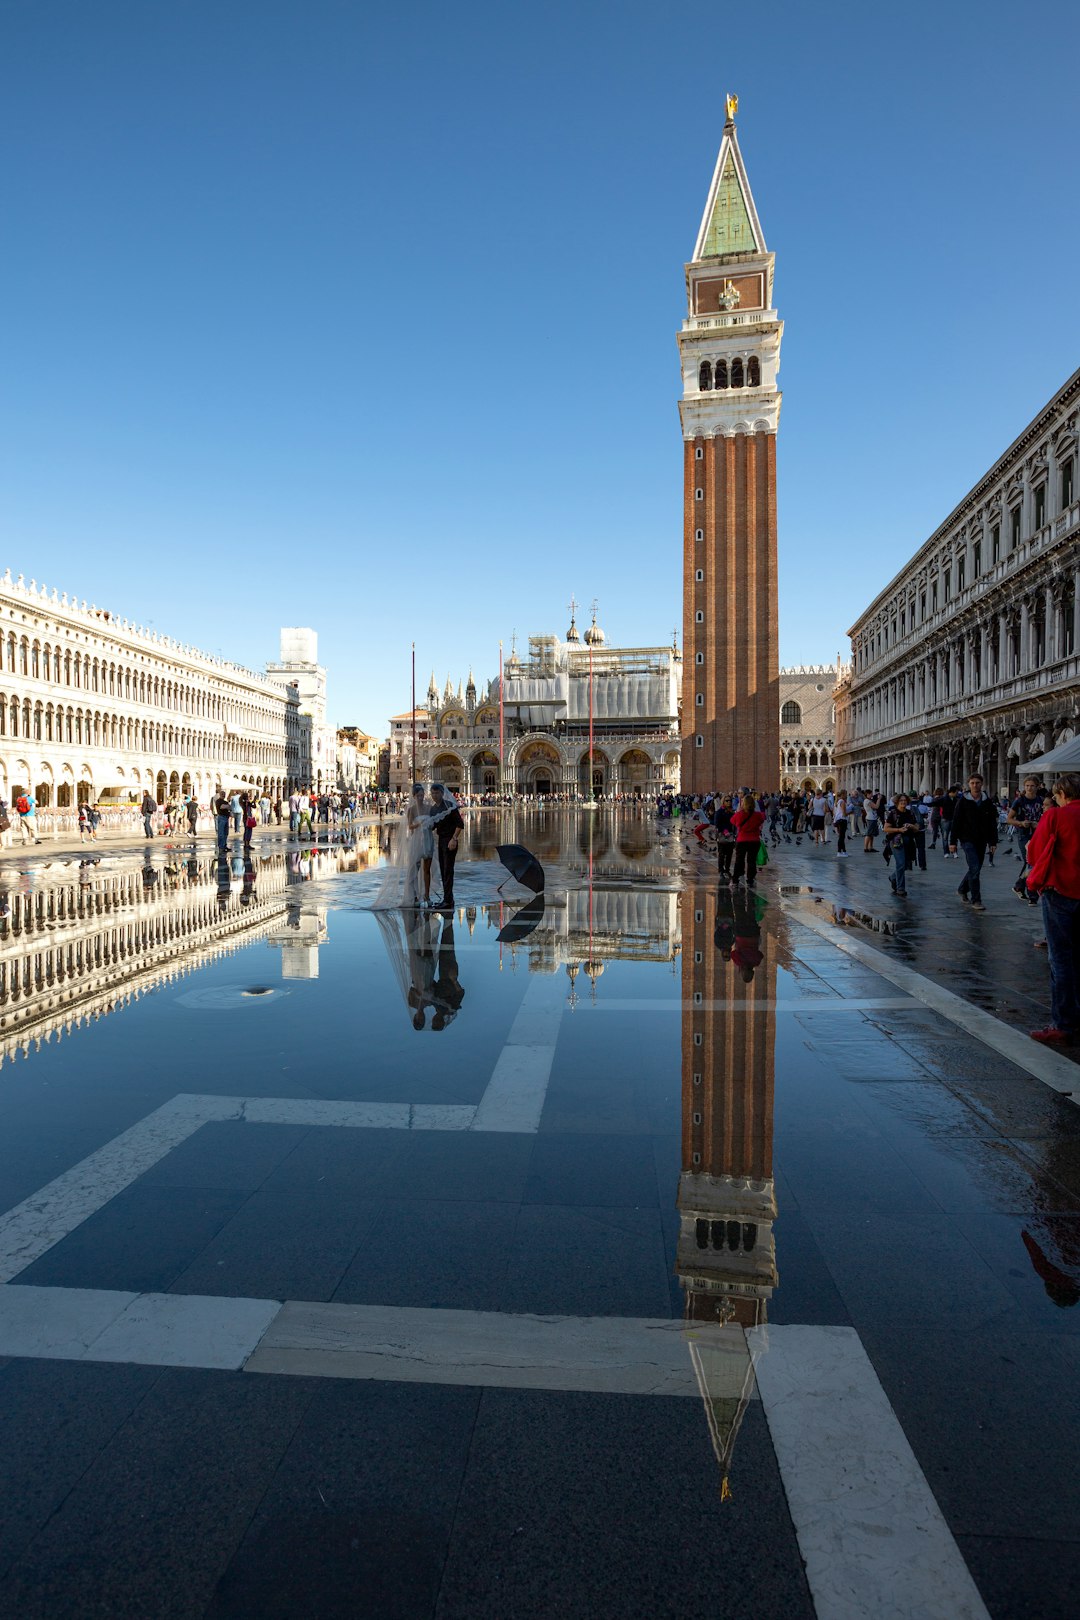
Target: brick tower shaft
(730,352)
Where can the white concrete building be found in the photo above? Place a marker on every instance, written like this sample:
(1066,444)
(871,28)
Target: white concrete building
(93,707)
(299,666)
(970,657)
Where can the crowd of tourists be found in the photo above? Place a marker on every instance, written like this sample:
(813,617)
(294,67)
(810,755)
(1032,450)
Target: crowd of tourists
(967,824)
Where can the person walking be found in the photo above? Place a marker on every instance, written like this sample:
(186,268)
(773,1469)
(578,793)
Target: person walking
(236,810)
(294,813)
(1025,813)
(26,806)
(192,808)
(1053,855)
(818,807)
(723,815)
(85,830)
(147,809)
(248,807)
(747,821)
(872,811)
(901,825)
(840,823)
(973,829)
(222,816)
(949,800)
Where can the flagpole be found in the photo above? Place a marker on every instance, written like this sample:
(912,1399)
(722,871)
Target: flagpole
(592,784)
(502,728)
(413,716)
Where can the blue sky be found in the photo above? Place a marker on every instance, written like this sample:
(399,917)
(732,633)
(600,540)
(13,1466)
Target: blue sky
(364,317)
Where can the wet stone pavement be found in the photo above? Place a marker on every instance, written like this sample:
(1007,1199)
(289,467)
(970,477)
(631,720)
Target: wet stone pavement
(653,1250)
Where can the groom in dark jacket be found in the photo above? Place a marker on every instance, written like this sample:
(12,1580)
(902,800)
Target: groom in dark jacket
(448,824)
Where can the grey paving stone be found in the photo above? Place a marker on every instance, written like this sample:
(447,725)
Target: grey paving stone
(595,1102)
(227,1154)
(294,1244)
(426,1252)
(608,1171)
(139,1242)
(1017,1108)
(356,1522)
(55,1419)
(1024,1578)
(360,1164)
(848,1170)
(806,1292)
(988,1415)
(908,1268)
(149,1528)
(1056,1158)
(601,1531)
(476,1167)
(973,1172)
(587,1262)
(1036,1256)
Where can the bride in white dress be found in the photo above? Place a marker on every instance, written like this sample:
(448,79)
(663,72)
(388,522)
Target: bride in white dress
(407,876)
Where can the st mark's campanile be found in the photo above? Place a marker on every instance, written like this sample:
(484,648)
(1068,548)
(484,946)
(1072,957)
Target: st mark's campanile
(729,347)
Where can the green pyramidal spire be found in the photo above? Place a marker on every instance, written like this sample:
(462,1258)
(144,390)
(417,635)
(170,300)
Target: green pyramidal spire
(730,230)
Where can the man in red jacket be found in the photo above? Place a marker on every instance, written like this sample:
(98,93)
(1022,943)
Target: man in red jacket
(1053,855)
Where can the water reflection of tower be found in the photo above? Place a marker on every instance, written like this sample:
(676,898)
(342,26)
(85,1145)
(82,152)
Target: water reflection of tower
(726,1257)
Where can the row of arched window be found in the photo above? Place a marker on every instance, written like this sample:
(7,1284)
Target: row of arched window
(721,375)
(84,672)
(46,722)
(802,758)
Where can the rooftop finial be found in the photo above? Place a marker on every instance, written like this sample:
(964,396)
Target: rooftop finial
(732,104)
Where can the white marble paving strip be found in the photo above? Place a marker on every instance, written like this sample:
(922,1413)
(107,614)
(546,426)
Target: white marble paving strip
(514,1098)
(617,1354)
(797,1004)
(872,1537)
(158,1330)
(46,1216)
(32,1227)
(185,1330)
(1057,1072)
(57,1323)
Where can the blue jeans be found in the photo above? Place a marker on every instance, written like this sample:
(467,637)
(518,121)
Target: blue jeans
(1061,919)
(900,866)
(974,854)
(222,831)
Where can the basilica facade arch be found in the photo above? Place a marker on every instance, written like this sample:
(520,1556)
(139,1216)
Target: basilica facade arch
(528,731)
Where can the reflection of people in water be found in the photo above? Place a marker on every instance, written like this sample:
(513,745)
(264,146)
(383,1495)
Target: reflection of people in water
(223,880)
(724,932)
(447,989)
(737,934)
(424,959)
(421,994)
(1060,1287)
(247,893)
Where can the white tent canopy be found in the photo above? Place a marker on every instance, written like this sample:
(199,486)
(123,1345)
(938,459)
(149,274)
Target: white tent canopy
(1065,757)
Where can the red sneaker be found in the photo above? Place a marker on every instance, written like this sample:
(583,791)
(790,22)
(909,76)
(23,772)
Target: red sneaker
(1051,1035)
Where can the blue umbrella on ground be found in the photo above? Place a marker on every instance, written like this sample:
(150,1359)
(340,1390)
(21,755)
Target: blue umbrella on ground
(522,865)
(522,922)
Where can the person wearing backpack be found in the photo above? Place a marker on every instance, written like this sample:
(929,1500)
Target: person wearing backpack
(26,805)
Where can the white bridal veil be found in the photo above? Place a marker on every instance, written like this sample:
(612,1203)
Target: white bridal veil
(412,841)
